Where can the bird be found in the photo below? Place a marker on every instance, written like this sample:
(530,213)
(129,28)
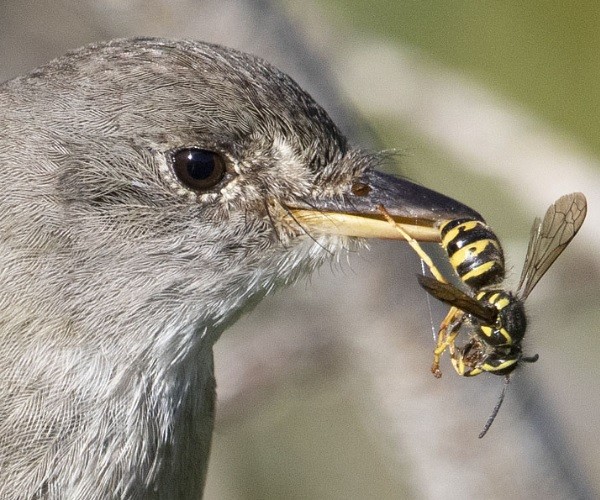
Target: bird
(153,192)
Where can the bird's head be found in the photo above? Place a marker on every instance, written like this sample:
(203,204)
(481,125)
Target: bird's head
(189,179)
(152,191)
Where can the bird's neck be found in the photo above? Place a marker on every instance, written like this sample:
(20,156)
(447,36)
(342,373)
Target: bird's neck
(165,436)
(180,406)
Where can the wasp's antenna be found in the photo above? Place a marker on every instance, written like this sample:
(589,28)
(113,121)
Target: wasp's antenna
(496,409)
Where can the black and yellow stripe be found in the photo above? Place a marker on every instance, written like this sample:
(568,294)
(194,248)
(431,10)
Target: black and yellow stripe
(474,251)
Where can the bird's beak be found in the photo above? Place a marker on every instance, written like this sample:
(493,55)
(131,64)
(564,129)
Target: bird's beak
(418,210)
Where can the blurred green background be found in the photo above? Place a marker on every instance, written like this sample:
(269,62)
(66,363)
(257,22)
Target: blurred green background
(540,54)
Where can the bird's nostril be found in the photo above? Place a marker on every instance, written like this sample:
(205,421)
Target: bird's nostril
(360,189)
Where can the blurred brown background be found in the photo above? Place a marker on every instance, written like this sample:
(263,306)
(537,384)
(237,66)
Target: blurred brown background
(325,390)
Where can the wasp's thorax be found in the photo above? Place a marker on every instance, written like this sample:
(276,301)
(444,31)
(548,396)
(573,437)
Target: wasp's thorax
(495,348)
(511,323)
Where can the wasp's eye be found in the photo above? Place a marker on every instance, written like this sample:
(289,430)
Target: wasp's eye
(198,169)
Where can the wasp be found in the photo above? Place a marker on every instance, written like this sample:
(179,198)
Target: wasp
(495,318)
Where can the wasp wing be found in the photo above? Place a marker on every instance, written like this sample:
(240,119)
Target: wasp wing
(549,237)
(453,296)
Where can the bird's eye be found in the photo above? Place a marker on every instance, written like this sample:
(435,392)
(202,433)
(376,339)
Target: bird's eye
(198,169)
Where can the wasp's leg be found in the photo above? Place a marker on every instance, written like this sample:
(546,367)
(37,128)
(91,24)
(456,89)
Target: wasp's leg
(448,331)
(455,317)
(414,244)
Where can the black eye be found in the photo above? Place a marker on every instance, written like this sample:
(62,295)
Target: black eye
(198,169)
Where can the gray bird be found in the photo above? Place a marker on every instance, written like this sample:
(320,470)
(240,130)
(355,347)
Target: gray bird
(153,191)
